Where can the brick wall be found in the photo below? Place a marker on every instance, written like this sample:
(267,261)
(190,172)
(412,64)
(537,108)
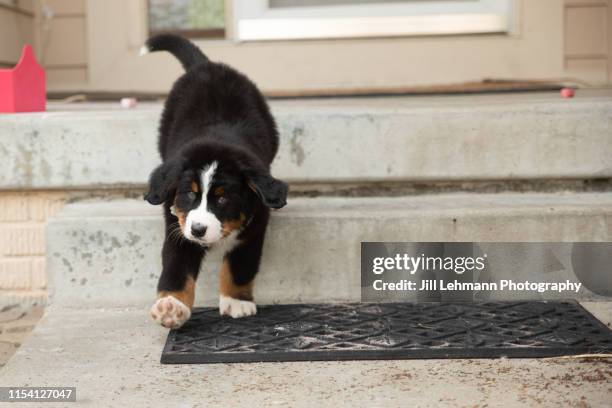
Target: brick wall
(22,244)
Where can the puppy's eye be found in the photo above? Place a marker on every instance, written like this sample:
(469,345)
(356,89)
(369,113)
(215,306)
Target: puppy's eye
(191,196)
(221,200)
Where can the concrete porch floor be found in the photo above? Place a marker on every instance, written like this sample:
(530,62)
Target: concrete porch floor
(112,357)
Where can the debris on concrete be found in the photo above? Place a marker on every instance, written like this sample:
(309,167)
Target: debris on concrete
(128,103)
(567,93)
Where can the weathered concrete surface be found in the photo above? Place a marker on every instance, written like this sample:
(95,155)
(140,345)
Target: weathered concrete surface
(16,323)
(108,254)
(24,298)
(112,357)
(341,140)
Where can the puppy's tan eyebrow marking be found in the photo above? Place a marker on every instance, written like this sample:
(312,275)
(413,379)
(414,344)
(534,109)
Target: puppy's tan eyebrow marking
(195,187)
(219,191)
(181,215)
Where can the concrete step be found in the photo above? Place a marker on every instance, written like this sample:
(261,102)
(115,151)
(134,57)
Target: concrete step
(108,253)
(461,138)
(111,356)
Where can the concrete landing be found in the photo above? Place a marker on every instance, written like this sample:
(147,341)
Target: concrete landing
(112,356)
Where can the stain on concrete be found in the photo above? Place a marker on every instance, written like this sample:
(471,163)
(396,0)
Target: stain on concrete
(96,238)
(296,149)
(67,264)
(114,244)
(133,239)
(128,282)
(87,257)
(23,164)
(66,172)
(45,169)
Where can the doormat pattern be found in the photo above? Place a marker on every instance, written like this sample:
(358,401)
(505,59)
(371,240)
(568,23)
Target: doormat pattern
(382,331)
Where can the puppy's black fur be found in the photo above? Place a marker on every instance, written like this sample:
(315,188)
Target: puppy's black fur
(214,114)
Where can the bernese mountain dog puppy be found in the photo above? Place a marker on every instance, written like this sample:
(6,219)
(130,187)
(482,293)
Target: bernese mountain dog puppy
(217,139)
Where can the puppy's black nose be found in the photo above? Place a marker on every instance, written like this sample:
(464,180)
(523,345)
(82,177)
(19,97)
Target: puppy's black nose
(198,230)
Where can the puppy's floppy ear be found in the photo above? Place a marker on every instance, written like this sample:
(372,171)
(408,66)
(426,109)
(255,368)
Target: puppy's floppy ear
(271,191)
(164,180)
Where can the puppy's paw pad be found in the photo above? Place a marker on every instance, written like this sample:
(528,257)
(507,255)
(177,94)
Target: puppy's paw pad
(235,307)
(170,312)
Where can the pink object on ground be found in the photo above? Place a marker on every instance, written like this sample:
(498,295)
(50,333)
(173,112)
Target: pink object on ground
(567,92)
(22,88)
(128,103)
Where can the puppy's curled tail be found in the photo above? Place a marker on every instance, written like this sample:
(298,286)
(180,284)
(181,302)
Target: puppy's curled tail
(184,50)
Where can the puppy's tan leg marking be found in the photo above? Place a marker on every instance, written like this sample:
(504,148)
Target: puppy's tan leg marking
(235,301)
(173,309)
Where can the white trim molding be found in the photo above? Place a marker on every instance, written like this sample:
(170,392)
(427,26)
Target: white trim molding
(255,20)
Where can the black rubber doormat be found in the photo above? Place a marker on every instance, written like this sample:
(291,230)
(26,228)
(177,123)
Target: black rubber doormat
(382,331)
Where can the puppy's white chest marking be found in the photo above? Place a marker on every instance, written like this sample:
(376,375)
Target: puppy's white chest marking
(224,246)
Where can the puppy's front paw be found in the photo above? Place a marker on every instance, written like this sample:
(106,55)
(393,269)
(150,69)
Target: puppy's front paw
(170,312)
(235,307)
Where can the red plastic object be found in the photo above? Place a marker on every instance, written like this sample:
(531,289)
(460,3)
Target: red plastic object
(22,89)
(567,93)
